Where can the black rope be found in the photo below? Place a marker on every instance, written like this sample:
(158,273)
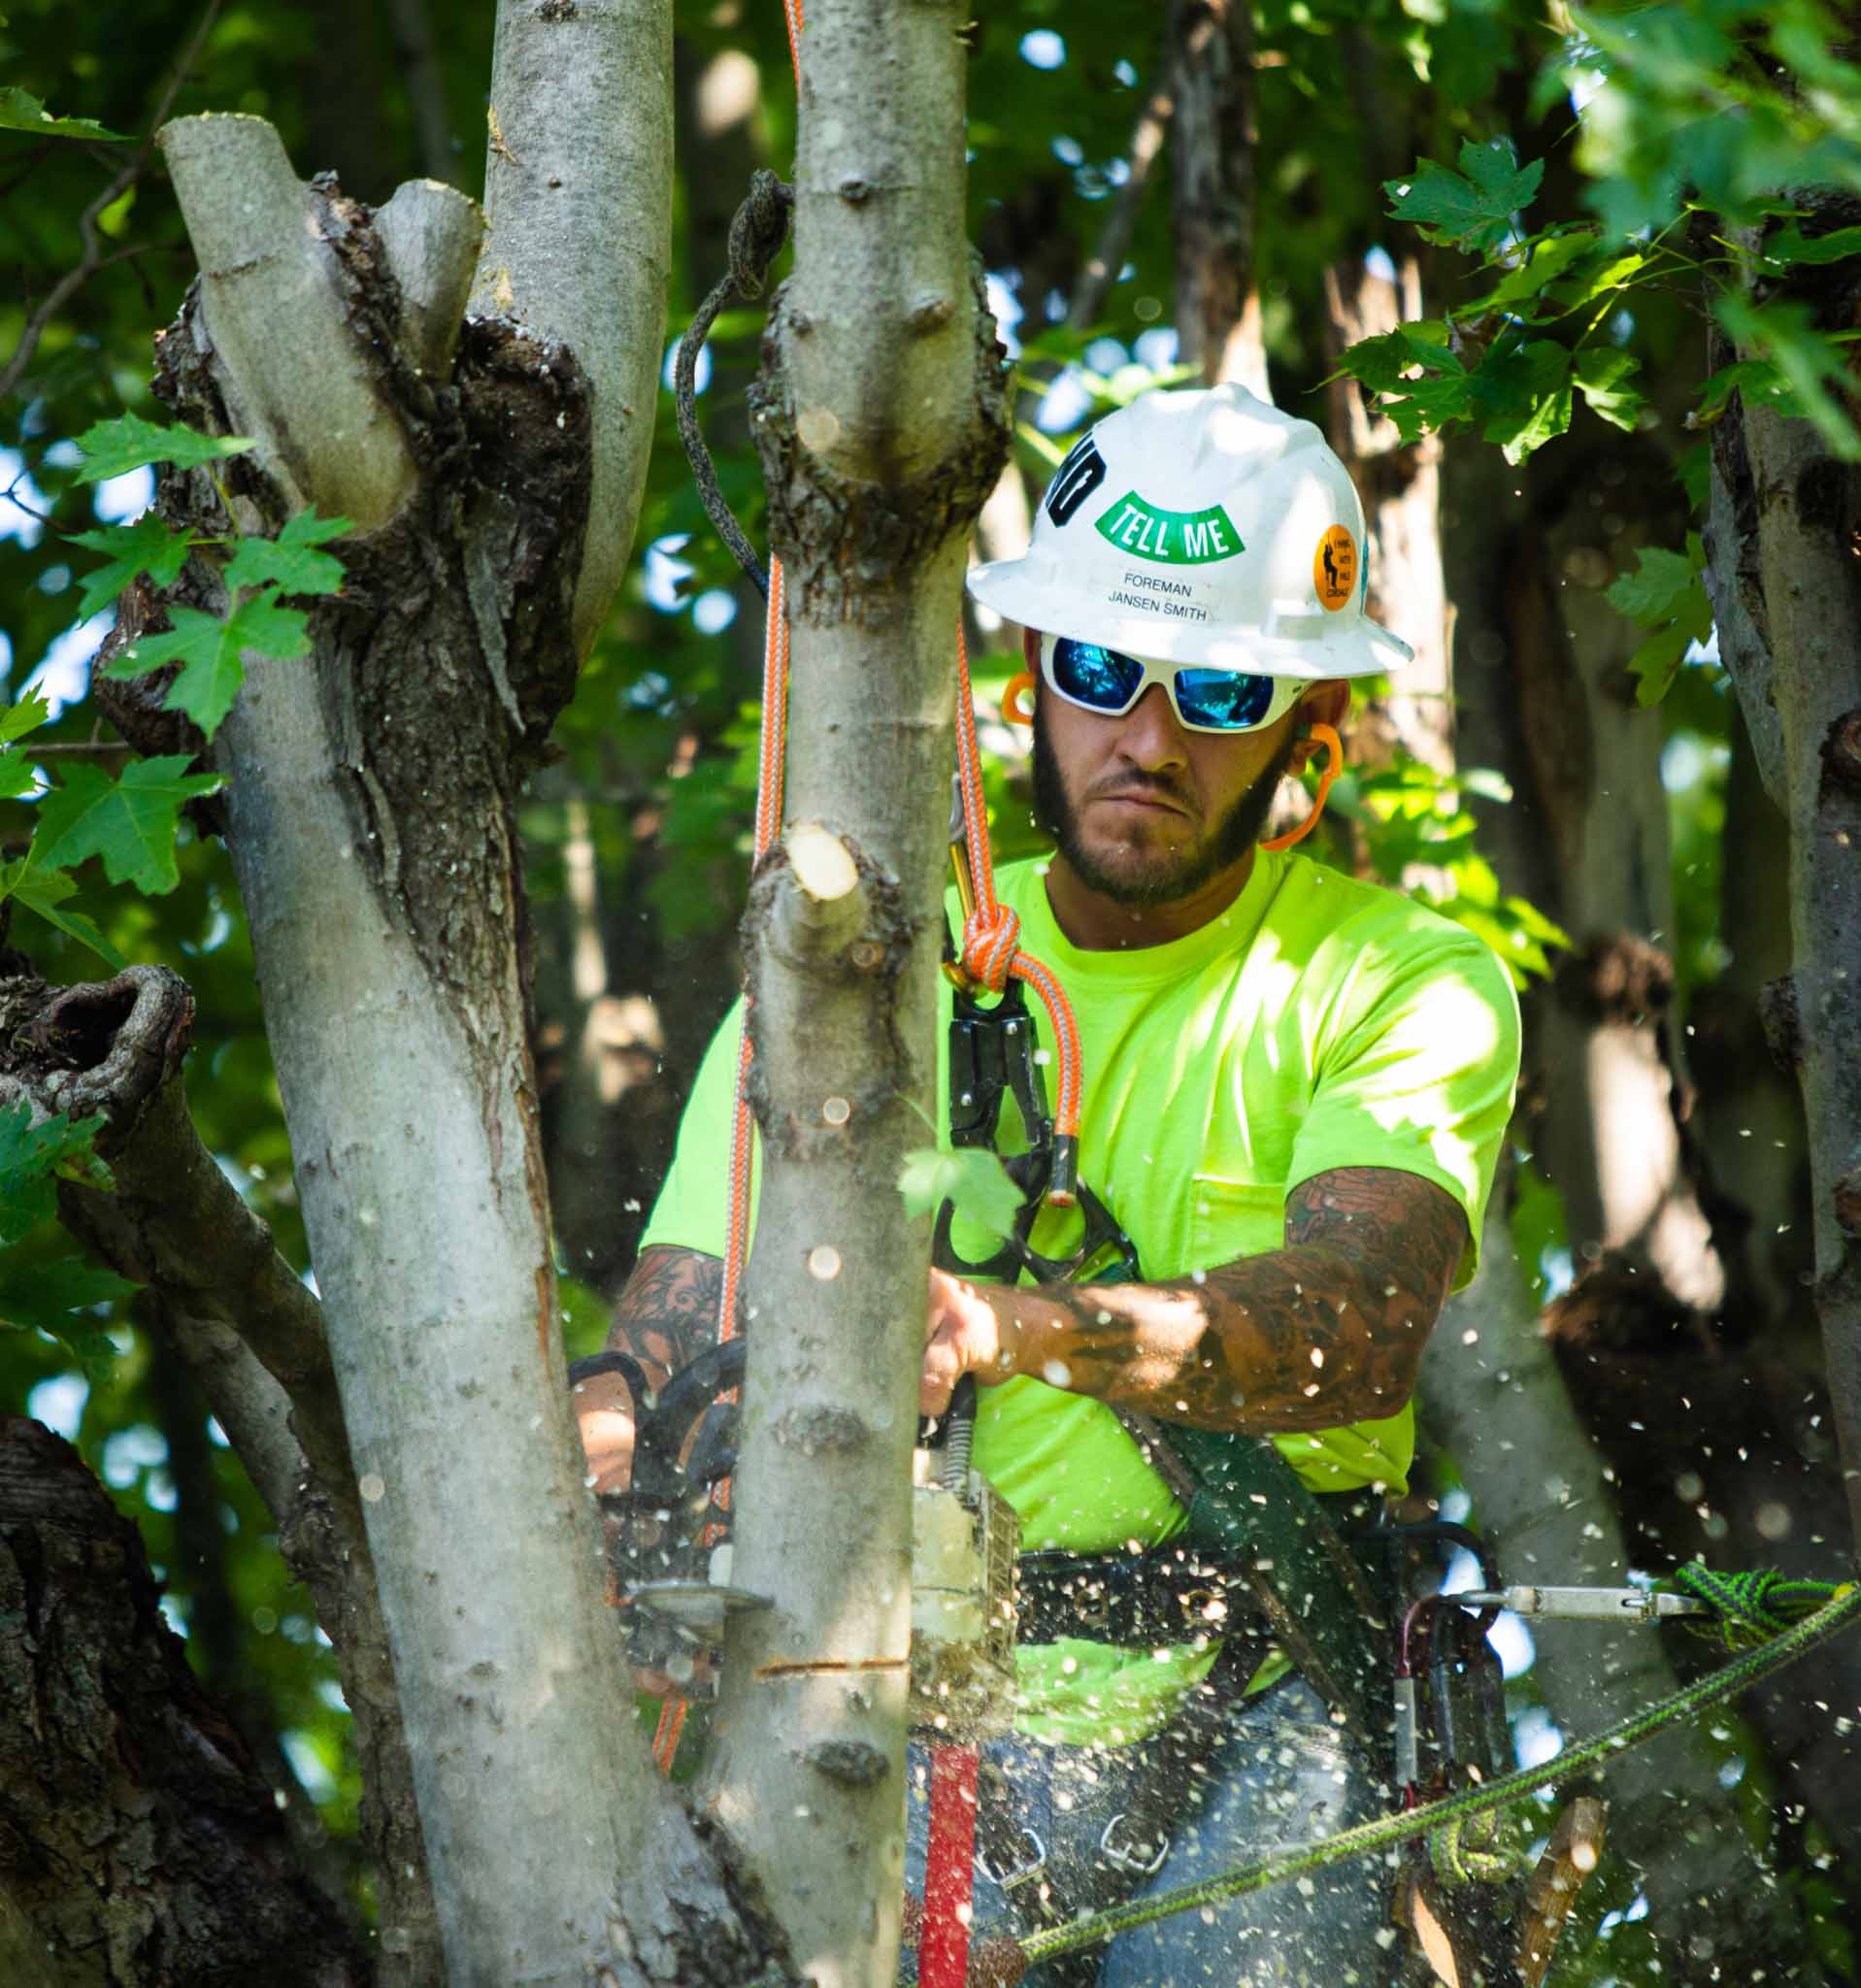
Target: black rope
(758,231)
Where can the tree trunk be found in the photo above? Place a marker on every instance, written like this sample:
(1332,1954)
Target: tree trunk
(227,1307)
(883,424)
(1780,572)
(369,811)
(1400,485)
(116,1765)
(1213,139)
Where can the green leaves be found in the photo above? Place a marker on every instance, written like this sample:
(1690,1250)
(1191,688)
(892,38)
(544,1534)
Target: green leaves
(1790,245)
(111,448)
(207,648)
(1667,593)
(1784,335)
(19,111)
(1525,390)
(207,652)
(290,559)
(44,892)
(57,1298)
(32,1160)
(1601,374)
(146,546)
(1471,209)
(53,1295)
(129,822)
(971,1179)
(41,891)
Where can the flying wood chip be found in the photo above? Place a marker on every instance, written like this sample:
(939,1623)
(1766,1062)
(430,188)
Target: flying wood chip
(1574,1849)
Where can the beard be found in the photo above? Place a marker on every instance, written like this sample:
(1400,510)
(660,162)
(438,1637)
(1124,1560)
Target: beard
(1167,875)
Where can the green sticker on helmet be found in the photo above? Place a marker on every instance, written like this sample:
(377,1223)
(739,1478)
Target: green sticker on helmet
(1170,538)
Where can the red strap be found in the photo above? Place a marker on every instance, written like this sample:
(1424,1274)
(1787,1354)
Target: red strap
(943,1947)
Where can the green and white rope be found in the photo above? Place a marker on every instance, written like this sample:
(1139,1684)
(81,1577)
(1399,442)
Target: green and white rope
(1458,1809)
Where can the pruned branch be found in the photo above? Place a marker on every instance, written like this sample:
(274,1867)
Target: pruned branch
(115,1049)
(302,382)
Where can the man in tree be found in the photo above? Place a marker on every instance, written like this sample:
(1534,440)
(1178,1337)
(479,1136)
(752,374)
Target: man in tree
(1295,1087)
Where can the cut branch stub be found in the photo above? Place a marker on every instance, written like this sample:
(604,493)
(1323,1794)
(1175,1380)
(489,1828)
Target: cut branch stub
(822,909)
(431,234)
(302,379)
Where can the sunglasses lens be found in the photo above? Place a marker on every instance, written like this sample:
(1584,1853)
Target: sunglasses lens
(1223,698)
(1095,675)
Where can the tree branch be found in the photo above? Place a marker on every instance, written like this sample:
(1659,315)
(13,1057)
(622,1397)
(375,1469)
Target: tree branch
(1107,259)
(579,231)
(114,1048)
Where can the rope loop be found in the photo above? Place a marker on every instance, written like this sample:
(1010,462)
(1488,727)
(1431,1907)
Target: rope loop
(1747,1609)
(992,939)
(1473,1850)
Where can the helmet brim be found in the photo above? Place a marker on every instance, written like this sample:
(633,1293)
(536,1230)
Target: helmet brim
(1310,647)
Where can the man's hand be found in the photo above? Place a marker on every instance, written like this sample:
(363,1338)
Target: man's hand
(965,1334)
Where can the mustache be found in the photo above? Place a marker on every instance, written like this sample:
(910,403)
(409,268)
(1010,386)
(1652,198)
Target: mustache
(1147,786)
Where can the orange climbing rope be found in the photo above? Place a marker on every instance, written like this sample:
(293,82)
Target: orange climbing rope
(991,935)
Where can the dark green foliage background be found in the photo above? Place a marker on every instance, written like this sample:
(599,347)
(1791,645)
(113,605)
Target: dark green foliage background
(658,744)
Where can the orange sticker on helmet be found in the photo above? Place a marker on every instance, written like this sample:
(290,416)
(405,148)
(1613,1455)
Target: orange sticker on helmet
(1334,568)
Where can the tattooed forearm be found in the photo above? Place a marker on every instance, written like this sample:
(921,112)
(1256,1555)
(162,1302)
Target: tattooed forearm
(1325,1331)
(668,1313)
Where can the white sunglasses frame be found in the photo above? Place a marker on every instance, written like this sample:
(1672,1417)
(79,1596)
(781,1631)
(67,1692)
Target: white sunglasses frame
(1285,693)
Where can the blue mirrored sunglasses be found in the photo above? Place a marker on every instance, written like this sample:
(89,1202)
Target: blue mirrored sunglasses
(1110,682)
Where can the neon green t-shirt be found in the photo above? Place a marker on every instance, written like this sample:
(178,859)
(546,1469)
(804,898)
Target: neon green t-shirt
(1316,1023)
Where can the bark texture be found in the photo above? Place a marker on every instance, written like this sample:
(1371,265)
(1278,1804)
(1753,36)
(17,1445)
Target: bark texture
(1782,561)
(236,1316)
(140,1847)
(881,424)
(369,809)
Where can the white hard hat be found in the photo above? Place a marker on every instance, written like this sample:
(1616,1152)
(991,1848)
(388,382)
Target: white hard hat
(1201,527)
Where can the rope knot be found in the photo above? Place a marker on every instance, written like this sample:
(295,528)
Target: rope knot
(989,945)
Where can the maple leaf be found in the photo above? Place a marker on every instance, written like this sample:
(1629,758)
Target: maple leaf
(209,652)
(129,822)
(291,560)
(146,546)
(114,448)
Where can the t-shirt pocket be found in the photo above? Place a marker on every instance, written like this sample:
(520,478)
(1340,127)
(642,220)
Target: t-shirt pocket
(1230,1218)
